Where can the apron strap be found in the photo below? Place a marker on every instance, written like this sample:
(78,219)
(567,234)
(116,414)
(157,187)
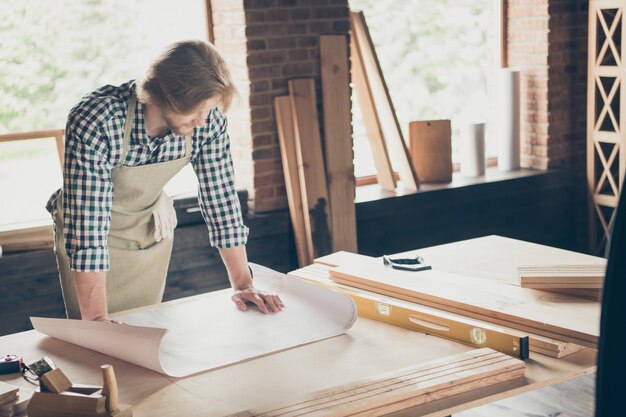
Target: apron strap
(188,145)
(128,126)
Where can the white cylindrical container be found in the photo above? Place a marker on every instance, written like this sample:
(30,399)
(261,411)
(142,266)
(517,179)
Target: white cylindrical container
(472,149)
(508,113)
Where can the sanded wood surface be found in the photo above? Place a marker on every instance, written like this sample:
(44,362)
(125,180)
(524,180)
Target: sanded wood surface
(338,140)
(310,165)
(431,320)
(562,276)
(288,155)
(382,100)
(413,316)
(287,375)
(371,120)
(430,145)
(421,384)
(481,283)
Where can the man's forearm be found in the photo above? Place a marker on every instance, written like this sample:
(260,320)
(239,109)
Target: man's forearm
(91,292)
(236,262)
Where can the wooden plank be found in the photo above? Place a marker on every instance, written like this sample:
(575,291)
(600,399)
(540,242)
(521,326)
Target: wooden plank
(430,144)
(386,113)
(511,306)
(423,319)
(490,264)
(586,293)
(394,311)
(373,129)
(287,141)
(310,165)
(562,276)
(395,391)
(338,140)
(8,392)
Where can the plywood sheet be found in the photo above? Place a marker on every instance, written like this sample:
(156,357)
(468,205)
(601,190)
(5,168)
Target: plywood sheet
(561,317)
(466,273)
(562,276)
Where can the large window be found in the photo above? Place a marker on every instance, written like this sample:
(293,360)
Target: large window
(438,58)
(53,53)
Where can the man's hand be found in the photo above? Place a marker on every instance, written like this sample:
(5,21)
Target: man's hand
(236,262)
(265,302)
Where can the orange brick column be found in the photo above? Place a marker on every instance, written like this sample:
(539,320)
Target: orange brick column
(547,39)
(266,43)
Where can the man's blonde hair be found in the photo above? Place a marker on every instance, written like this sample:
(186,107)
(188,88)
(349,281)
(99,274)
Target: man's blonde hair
(186,75)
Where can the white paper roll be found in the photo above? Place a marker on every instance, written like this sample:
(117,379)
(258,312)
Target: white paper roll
(472,149)
(508,132)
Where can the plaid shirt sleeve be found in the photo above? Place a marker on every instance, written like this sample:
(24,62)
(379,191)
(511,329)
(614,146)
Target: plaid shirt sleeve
(87,190)
(217,196)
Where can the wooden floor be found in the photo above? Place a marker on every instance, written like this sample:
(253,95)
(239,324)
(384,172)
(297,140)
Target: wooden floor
(573,398)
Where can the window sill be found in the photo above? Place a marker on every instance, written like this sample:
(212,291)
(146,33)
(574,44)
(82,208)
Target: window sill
(373,192)
(24,237)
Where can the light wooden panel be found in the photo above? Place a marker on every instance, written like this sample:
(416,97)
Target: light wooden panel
(606,159)
(338,140)
(409,387)
(562,276)
(386,113)
(384,171)
(493,303)
(287,141)
(397,312)
(478,278)
(430,144)
(310,165)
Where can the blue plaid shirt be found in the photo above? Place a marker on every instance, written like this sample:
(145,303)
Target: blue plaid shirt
(93,146)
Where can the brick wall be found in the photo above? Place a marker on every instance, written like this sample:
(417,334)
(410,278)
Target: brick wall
(267,42)
(547,39)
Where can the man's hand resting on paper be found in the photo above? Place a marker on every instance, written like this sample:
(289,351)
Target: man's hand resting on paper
(240,276)
(250,295)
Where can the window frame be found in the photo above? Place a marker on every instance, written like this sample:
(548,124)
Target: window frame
(31,236)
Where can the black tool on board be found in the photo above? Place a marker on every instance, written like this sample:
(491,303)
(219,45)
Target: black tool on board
(413,264)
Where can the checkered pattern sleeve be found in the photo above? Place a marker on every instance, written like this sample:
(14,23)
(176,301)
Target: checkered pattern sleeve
(87,188)
(217,196)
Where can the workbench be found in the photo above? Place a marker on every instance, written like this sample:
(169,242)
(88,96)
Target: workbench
(368,349)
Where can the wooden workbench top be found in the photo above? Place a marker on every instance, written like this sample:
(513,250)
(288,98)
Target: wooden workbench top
(368,349)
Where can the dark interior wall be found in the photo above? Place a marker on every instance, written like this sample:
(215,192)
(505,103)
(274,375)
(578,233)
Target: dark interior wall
(538,208)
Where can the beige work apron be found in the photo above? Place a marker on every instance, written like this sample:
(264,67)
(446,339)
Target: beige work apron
(138,263)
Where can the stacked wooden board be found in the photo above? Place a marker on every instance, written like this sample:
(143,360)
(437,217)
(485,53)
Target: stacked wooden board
(560,317)
(405,388)
(318,170)
(14,400)
(484,271)
(562,276)
(391,310)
